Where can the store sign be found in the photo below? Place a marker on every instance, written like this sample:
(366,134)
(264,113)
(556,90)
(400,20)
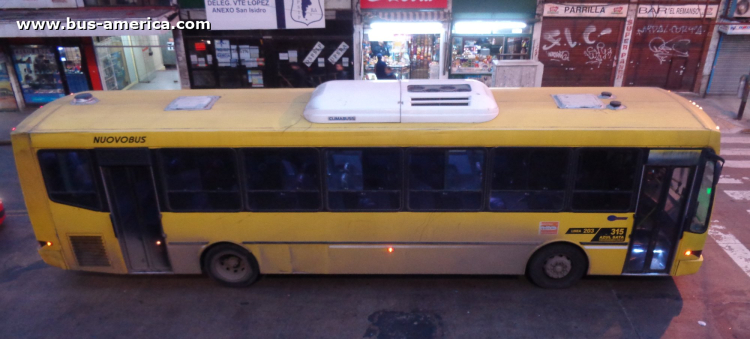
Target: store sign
(622,59)
(338,53)
(261,14)
(739,29)
(586,10)
(403,4)
(310,58)
(677,11)
(39,4)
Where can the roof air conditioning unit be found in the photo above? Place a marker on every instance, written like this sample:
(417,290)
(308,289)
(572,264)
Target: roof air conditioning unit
(456,101)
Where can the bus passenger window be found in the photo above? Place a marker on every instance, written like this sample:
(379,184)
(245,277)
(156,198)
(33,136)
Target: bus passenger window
(605,179)
(69,178)
(201,179)
(282,179)
(364,179)
(445,179)
(528,179)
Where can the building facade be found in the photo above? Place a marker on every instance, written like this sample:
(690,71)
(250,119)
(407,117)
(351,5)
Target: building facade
(41,64)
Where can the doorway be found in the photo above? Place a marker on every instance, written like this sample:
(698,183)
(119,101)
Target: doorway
(135,214)
(658,218)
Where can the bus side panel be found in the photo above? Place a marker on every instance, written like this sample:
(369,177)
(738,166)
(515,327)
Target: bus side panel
(689,264)
(429,243)
(37,203)
(73,222)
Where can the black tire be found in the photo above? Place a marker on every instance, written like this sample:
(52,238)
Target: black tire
(557,266)
(231,265)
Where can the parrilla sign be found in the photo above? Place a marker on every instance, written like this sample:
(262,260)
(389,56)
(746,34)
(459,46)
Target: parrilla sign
(586,10)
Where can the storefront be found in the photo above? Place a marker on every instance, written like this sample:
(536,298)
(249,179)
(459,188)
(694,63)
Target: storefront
(732,57)
(143,62)
(271,59)
(580,43)
(48,69)
(484,31)
(668,45)
(7,96)
(410,37)
(49,64)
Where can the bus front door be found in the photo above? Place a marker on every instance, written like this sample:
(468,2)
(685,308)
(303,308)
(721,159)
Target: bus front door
(135,213)
(658,218)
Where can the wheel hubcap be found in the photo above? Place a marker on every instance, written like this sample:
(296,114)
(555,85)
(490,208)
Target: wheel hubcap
(231,268)
(557,267)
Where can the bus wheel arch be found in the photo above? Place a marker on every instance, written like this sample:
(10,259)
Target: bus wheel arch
(230,264)
(558,264)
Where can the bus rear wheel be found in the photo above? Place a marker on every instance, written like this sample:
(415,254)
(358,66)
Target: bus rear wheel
(557,266)
(231,266)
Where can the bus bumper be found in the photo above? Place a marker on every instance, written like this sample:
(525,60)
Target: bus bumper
(53,258)
(685,267)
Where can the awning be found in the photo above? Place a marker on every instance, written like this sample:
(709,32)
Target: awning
(12,20)
(406,16)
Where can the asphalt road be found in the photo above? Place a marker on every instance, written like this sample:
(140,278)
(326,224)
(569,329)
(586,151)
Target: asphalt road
(39,301)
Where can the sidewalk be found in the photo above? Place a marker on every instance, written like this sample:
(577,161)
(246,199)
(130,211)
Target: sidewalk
(723,110)
(8,120)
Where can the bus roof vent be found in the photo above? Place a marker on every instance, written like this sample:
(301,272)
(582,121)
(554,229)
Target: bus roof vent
(84,99)
(455,101)
(578,101)
(192,103)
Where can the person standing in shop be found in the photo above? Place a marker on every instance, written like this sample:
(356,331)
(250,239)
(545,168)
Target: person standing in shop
(380,68)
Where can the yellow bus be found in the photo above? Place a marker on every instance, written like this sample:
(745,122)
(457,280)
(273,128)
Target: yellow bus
(391,177)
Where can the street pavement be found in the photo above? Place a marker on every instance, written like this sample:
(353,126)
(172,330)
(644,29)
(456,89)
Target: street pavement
(38,301)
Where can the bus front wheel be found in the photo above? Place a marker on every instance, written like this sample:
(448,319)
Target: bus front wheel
(557,266)
(231,265)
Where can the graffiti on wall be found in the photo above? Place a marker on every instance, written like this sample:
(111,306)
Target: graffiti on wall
(596,52)
(665,49)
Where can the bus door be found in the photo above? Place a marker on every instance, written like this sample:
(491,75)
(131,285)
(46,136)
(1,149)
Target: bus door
(135,213)
(662,201)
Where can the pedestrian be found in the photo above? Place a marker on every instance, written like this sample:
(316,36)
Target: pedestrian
(299,76)
(341,73)
(389,73)
(380,68)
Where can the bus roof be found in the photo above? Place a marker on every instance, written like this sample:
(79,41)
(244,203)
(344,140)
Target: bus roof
(281,110)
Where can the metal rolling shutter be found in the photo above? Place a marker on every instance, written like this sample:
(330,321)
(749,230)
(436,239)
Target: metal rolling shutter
(732,60)
(579,51)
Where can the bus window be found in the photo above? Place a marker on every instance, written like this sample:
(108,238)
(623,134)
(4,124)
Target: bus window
(68,177)
(699,224)
(364,179)
(445,179)
(527,179)
(605,179)
(201,179)
(282,179)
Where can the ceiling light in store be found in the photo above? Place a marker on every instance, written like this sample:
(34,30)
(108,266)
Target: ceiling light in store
(486,27)
(407,27)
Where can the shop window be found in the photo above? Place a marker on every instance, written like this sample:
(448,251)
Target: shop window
(364,179)
(38,72)
(73,67)
(443,180)
(528,179)
(69,178)
(282,179)
(605,180)
(7,97)
(201,179)
(406,56)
